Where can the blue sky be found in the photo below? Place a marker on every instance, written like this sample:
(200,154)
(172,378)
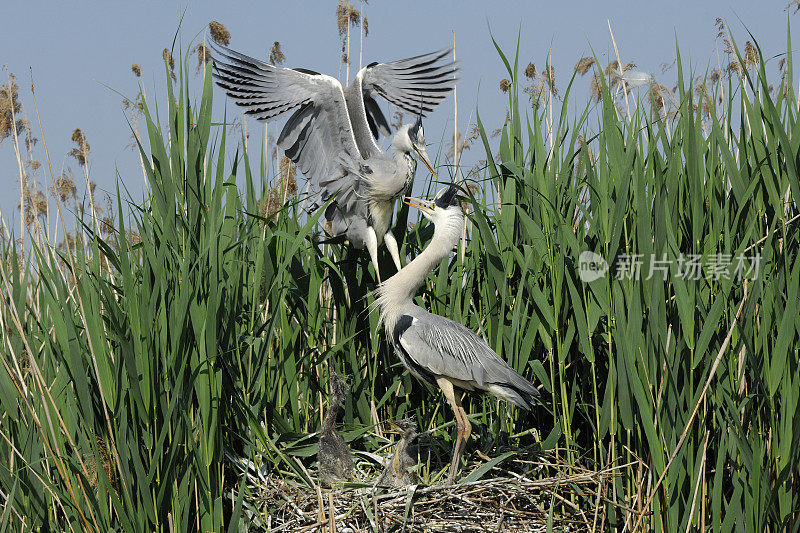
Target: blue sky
(76,52)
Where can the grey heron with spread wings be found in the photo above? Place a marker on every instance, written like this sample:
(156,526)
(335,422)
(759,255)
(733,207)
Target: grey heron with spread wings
(332,131)
(436,349)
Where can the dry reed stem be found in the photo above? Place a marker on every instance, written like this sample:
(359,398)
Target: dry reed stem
(22,176)
(83,317)
(700,475)
(621,70)
(44,391)
(711,374)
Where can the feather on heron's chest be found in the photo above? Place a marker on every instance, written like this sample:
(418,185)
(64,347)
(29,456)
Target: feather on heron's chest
(410,168)
(418,371)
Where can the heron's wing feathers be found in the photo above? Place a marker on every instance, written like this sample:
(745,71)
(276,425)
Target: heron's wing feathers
(448,349)
(417,84)
(264,91)
(318,136)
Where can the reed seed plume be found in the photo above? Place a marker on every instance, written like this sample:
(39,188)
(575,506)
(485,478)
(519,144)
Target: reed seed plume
(35,205)
(342,16)
(397,120)
(596,88)
(793,4)
(612,73)
(136,108)
(288,173)
(463,143)
(719,25)
(665,67)
(276,56)
(473,189)
(535,91)
(136,68)
(530,71)
(10,106)
(728,47)
(134,237)
(346,16)
(65,188)
(285,188)
(170,61)
(203,56)
(219,33)
(81,150)
(584,64)
(549,77)
(30,140)
(751,58)
(655,96)
(365,25)
(505,84)
(734,67)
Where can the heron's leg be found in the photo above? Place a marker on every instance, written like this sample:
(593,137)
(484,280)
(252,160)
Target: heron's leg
(467,426)
(372,247)
(449,393)
(391,244)
(466,431)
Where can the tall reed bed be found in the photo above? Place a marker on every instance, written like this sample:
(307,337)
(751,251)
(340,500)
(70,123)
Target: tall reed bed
(137,370)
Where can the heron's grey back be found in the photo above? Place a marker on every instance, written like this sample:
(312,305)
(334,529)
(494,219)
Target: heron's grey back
(446,348)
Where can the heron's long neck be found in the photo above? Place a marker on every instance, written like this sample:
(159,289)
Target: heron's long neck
(399,290)
(403,159)
(329,420)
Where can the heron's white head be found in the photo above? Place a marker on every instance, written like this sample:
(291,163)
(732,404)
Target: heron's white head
(410,138)
(444,210)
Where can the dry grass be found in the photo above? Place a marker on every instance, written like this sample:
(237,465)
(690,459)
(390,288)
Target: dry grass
(568,496)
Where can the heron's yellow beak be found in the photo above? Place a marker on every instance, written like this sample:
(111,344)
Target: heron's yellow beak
(425,161)
(423,205)
(394,427)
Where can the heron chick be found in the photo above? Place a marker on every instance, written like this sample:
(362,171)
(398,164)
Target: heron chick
(398,472)
(333,455)
(331,132)
(436,349)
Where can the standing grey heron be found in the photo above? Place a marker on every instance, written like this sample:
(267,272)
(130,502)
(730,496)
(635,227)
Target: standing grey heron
(331,134)
(436,349)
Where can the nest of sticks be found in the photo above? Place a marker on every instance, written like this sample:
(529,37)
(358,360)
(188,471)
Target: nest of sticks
(549,493)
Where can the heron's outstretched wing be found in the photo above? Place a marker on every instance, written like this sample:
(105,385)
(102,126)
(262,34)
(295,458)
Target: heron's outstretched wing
(434,346)
(417,84)
(318,136)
